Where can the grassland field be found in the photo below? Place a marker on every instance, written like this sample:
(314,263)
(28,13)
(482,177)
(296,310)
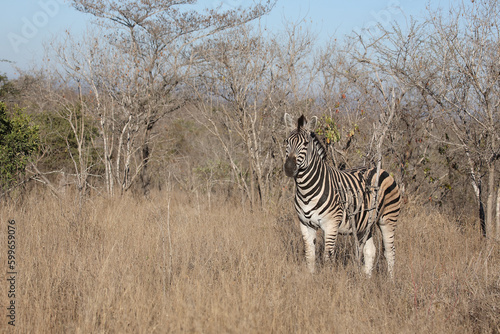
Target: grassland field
(175,263)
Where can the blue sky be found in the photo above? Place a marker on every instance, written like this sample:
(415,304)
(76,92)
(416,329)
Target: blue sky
(26,25)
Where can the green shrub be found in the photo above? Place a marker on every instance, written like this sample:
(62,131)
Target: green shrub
(18,141)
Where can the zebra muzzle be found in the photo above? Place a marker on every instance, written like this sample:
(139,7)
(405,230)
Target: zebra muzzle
(290,166)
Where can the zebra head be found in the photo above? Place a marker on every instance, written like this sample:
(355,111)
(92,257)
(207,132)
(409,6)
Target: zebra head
(297,143)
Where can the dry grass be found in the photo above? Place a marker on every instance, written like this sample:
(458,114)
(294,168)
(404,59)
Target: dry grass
(156,266)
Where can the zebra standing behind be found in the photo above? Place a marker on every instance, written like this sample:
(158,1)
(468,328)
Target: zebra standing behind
(339,201)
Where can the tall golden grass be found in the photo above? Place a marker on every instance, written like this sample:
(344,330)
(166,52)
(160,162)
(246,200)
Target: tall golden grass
(169,264)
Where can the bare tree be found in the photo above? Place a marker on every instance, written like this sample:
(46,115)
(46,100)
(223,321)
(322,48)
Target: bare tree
(63,94)
(344,90)
(452,61)
(102,76)
(155,37)
(245,83)
(236,70)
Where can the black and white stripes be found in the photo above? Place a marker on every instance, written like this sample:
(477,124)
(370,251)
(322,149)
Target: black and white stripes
(339,201)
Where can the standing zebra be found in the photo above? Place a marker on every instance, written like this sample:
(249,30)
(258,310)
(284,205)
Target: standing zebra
(338,201)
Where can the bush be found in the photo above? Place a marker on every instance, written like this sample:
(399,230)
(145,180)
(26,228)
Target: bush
(18,141)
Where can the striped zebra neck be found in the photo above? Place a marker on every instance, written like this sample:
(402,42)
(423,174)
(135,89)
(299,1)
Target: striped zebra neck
(317,162)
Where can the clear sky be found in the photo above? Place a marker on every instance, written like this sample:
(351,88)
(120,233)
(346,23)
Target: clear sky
(25,25)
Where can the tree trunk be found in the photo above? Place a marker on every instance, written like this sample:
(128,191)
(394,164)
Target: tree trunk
(108,170)
(482,220)
(256,159)
(145,155)
(491,200)
(498,214)
(478,191)
(250,159)
(476,185)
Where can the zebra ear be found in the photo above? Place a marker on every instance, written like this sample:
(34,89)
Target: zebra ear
(312,123)
(288,122)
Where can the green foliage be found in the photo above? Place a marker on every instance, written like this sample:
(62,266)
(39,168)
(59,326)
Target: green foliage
(355,128)
(182,133)
(6,87)
(328,129)
(58,139)
(18,141)
(214,170)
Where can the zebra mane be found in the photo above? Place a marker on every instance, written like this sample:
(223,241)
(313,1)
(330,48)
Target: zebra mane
(301,122)
(319,145)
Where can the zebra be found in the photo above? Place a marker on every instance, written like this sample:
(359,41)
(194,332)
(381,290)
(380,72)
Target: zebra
(339,201)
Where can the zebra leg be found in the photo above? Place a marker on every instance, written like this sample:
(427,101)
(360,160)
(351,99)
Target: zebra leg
(309,235)
(331,232)
(389,249)
(369,252)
